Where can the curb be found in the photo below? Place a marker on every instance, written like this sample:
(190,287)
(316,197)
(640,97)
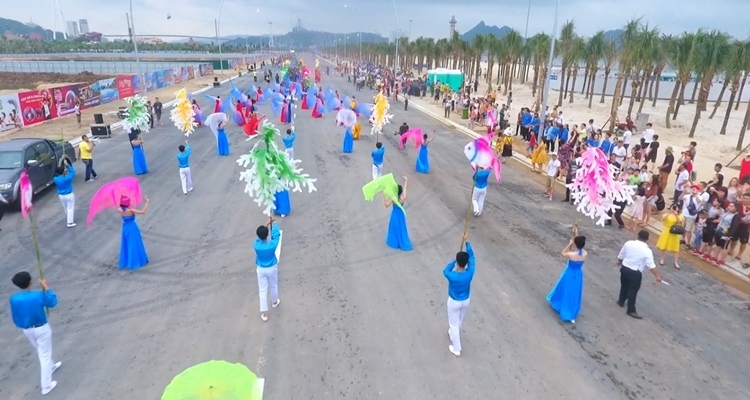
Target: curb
(526,161)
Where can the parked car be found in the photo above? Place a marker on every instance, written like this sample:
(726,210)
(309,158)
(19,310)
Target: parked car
(39,157)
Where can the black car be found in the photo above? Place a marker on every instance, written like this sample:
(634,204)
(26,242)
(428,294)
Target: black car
(39,157)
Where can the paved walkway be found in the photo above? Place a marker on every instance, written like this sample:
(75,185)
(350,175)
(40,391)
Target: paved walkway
(733,267)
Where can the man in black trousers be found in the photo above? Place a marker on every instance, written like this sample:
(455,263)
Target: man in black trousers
(634,257)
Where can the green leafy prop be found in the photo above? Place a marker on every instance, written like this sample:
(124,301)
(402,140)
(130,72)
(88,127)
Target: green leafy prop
(138,115)
(272,170)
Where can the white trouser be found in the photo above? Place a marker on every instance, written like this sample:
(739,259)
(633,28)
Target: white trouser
(377,171)
(268,278)
(69,206)
(41,339)
(186,179)
(290,152)
(477,199)
(456,313)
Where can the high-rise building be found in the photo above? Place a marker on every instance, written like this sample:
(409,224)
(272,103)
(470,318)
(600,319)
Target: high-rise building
(73,28)
(453,23)
(83,25)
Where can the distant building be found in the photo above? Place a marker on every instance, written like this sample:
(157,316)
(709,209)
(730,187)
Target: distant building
(8,35)
(453,23)
(73,28)
(147,40)
(35,36)
(191,42)
(83,25)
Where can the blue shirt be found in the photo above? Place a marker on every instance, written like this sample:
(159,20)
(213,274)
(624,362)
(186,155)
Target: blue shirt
(65,182)
(606,146)
(183,158)
(480,178)
(554,133)
(459,283)
(535,123)
(564,135)
(548,133)
(289,140)
(27,307)
(377,156)
(526,119)
(592,142)
(265,250)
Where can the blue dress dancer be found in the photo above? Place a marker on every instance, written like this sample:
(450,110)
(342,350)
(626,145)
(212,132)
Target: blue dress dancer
(222,143)
(139,157)
(282,203)
(132,251)
(423,159)
(398,234)
(348,141)
(566,296)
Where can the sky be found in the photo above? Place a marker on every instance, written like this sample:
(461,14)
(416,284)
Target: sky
(428,18)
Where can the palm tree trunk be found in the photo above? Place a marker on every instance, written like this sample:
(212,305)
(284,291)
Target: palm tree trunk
(656,91)
(695,88)
(680,100)
(562,88)
(515,67)
(573,86)
(499,70)
(744,128)
(534,83)
(672,101)
(585,81)
(732,95)
(718,101)
(739,95)
(622,90)
(633,91)
(700,106)
(615,102)
(604,89)
(568,89)
(592,85)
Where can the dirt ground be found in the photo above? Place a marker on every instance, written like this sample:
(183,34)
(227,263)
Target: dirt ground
(12,82)
(67,128)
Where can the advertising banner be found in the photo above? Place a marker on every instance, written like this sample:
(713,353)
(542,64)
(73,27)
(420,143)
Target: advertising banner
(90,95)
(108,90)
(191,72)
(168,77)
(125,87)
(137,86)
(10,112)
(177,73)
(150,78)
(36,106)
(65,99)
(197,70)
(184,74)
(160,79)
(206,69)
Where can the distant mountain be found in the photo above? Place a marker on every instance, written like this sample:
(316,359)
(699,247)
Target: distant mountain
(26,30)
(483,29)
(615,35)
(298,37)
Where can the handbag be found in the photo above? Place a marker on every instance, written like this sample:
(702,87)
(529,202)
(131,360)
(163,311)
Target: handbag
(677,228)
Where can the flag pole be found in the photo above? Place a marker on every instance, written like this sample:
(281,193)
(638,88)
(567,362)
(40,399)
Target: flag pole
(468,212)
(38,253)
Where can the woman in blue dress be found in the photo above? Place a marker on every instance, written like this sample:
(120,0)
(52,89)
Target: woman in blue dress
(398,234)
(423,159)
(565,298)
(282,203)
(222,143)
(139,157)
(132,251)
(348,146)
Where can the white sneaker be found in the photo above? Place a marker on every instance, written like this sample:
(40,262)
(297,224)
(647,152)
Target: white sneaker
(455,353)
(190,190)
(56,366)
(283,215)
(276,304)
(71,225)
(184,193)
(49,389)
(264,317)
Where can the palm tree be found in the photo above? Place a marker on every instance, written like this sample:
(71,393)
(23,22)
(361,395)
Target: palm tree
(564,47)
(577,54)
(739,61)
(595,51)
(626,59)
(711,51)
(610,57)
(651,47)
(661,62)
(680,58)
(478,45)
(514,48)
(540,44)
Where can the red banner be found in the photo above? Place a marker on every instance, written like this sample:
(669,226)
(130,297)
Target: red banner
(37,106)
(66,98)
(125,86)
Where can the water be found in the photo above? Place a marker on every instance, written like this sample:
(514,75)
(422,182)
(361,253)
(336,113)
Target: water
(96,67)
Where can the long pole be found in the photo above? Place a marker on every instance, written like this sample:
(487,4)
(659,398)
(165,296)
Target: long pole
(135,48)
(409,38)
(360,47)
(395,62)
(528,14)
(36,250)
(218,36)
(545,94)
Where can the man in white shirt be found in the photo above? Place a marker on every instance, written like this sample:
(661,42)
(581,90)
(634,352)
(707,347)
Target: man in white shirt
(683,178)
(648,134)
(553,167)
(620,152)
(627,136)
(559,119)
(634,257)
(698,198)
(591,129)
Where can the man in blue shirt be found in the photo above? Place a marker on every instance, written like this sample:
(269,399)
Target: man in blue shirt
(459,273)
(377,160)
(267,265)
(63,179)
(183,162)
(480,190)
(27,308)
(289,143)
(526,118)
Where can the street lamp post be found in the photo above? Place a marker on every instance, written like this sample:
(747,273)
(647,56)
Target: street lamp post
(218,37)
(545,93)
(360,46)
(409,37)
(395,62)
(135,48)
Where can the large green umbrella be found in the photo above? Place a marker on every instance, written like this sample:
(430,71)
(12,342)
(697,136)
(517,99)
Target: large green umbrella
(214,380)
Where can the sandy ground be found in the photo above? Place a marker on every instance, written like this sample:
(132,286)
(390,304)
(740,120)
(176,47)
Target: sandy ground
(67,127)
(357,320)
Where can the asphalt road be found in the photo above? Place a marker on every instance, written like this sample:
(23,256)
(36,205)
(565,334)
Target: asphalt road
(358,320)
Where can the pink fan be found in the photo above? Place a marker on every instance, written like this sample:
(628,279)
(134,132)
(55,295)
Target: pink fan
(347,118)
(109,196)
(415,134)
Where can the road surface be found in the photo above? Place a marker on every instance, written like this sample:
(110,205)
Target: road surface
(358,320)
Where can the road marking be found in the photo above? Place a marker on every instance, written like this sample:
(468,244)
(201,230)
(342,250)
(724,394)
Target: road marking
(260,387)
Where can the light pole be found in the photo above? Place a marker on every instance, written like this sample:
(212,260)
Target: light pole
(528,14)
(409,37)
(135,48)
(395,63)
(360,46)
(218,37)
(346,39)
(549,70)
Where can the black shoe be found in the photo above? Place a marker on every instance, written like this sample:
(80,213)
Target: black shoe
(621,304)
(635,315)
(621,226)
(563,201)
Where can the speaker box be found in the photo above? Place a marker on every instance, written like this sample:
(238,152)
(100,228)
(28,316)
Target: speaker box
(216,84)
(98,119)
(101,130)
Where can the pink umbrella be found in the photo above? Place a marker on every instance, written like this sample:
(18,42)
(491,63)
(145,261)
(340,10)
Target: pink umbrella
(109,196)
